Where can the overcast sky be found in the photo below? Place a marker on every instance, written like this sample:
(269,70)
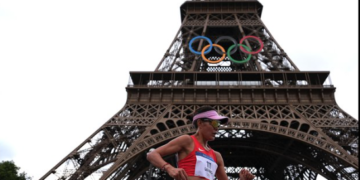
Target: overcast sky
(64,65)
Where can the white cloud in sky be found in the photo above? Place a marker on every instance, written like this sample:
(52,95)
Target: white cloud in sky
(64,64)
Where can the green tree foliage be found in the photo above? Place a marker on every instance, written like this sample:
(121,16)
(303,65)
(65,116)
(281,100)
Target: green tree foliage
(9,171)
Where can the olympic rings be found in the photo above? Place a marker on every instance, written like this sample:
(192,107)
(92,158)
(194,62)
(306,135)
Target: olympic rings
(254,37)
(213,62)
(231,50)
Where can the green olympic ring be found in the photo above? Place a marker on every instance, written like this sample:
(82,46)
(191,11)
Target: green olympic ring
(238,61)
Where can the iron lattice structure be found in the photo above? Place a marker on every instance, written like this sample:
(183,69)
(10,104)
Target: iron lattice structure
(285,123)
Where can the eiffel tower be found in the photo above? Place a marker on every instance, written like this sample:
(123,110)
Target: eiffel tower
(284,123)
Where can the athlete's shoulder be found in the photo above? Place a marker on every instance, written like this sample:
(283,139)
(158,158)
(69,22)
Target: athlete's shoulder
(182,139)
(219,158)
(185,138)
(217,154)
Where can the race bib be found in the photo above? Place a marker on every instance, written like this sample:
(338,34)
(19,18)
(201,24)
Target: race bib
(205,166)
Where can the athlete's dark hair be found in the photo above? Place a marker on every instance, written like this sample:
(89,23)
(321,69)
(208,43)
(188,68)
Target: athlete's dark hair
(198,111)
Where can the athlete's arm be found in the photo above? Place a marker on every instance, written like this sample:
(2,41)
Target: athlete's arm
(220,171)
(172,147)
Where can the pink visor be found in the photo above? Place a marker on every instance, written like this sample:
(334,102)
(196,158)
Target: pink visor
(211,115)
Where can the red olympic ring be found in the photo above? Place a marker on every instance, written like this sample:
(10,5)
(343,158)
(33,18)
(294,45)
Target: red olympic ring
(253,37)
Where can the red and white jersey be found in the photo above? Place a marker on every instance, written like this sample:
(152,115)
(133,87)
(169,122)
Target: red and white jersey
(199,162)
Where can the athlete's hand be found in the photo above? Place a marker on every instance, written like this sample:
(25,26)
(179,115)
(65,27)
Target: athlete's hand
(245,175)
(177,173)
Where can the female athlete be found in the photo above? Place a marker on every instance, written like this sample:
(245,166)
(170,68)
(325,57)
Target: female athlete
(196,159)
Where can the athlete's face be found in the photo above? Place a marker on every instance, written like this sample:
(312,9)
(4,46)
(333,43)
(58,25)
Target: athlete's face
(210,128)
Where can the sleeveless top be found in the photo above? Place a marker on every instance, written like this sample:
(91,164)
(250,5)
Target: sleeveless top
(199,162)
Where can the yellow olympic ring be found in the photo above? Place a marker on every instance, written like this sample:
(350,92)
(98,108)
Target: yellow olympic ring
(213,62)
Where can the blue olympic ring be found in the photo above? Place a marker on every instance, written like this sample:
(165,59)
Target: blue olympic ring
(200,37)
